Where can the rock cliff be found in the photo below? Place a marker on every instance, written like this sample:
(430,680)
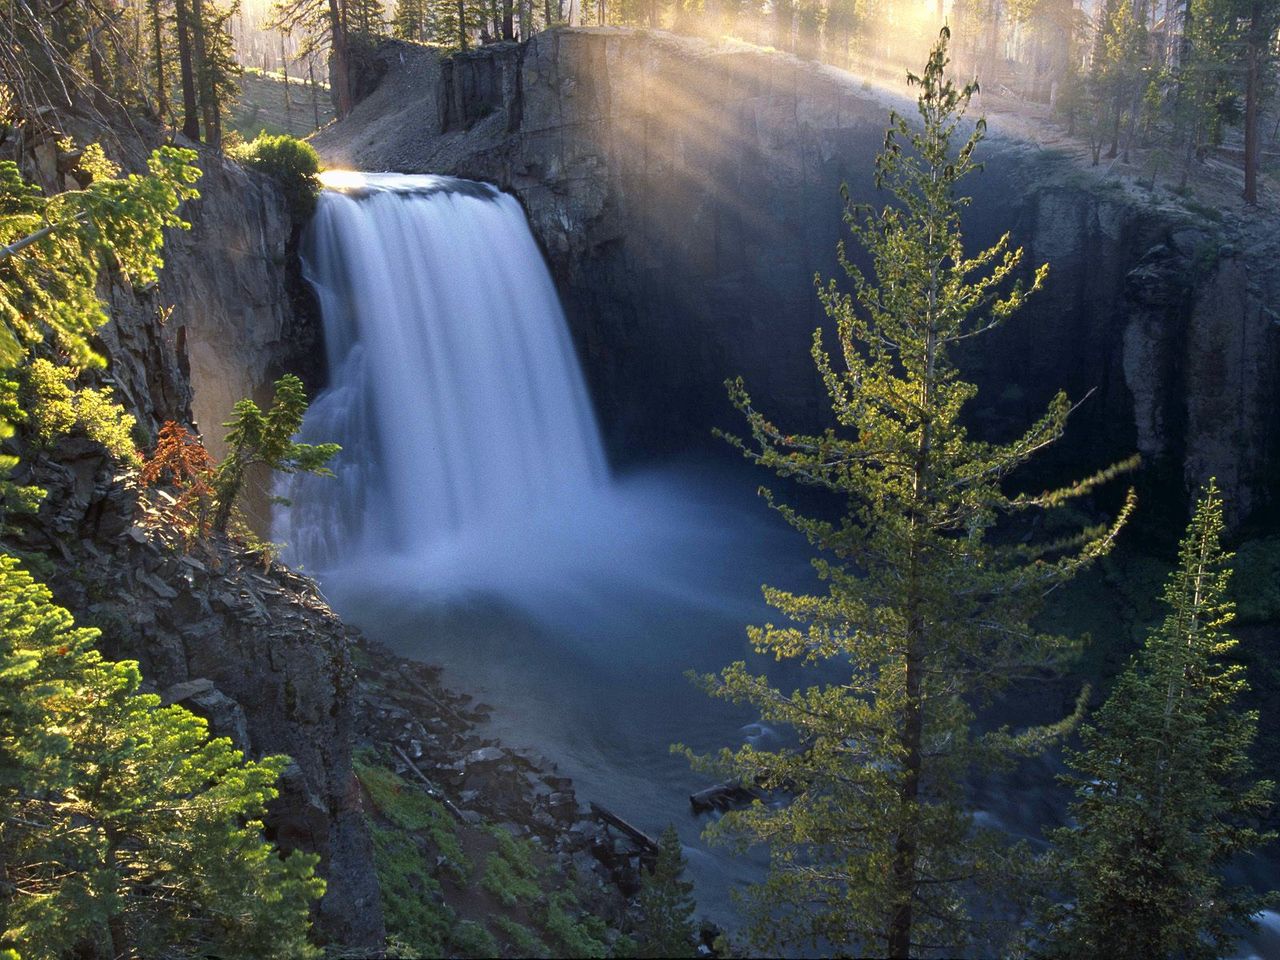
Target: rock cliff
(686,192)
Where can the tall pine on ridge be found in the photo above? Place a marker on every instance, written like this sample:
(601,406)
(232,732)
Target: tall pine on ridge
(1165,791)
(924,614)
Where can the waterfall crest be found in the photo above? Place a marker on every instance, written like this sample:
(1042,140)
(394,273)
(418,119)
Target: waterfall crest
(453,389)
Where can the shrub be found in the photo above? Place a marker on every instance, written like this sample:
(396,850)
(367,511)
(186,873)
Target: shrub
(293,164)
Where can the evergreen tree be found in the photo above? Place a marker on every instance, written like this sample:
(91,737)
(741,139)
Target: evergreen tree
(52,248)
(256,438)
(667,905)
(325,29)
(216,67)
(1165,791)
(125,830)
(1119,72)
(924,615)
(1263,20)
(411,21)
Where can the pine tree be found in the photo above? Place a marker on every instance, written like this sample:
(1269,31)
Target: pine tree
(125,830)
(667,905)
(1165,791)
(51,248)
(924,614)
(256,438)
(1263,19)
(325,29)
(411,21)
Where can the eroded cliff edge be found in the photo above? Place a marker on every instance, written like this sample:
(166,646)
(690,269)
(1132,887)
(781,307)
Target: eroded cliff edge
(686,193)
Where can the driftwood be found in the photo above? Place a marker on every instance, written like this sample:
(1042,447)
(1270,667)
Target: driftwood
(723,796)
(432,790)
(645,842)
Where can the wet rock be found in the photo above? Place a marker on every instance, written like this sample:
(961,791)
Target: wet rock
(484,755)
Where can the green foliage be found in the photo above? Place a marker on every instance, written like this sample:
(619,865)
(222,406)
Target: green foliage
(666,901)
(510,873)
(411,809)
(925,614)
(470,939)
(292,163)
(55,407)
(126,830)
(523,941)
(256,438)
(1165,790)
(575,933)
(52,248)
(413,906)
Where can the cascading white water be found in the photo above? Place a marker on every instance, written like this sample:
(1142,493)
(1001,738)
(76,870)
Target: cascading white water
(453,385)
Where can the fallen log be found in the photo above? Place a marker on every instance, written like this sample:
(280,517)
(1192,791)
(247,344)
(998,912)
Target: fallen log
(432,790)
(646,843)
(723,796)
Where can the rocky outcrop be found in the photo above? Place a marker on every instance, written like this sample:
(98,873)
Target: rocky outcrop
(228,284)
(686,192)
(223,321)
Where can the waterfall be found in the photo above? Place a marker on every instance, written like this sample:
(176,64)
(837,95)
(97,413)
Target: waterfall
(453,388)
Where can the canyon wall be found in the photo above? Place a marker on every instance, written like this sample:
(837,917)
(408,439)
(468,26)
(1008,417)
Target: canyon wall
(685,194)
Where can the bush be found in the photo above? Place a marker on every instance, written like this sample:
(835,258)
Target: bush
(293,164)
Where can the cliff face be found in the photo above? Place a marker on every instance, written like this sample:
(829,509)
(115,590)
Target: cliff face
(686,193)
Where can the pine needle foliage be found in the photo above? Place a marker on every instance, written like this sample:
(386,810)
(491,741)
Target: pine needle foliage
(124,829)
(53,248)
(255,438)
(925,614)
(181,463)
(667,905)
(1165,791)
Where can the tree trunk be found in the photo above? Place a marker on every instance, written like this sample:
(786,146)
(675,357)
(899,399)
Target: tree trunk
(341,74)
(97,74)
(209,107)
(190,108)
(1252,94)
(315,99)
(1115,129)
(508,21)
(157,43)
(906,846)
(462,26)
